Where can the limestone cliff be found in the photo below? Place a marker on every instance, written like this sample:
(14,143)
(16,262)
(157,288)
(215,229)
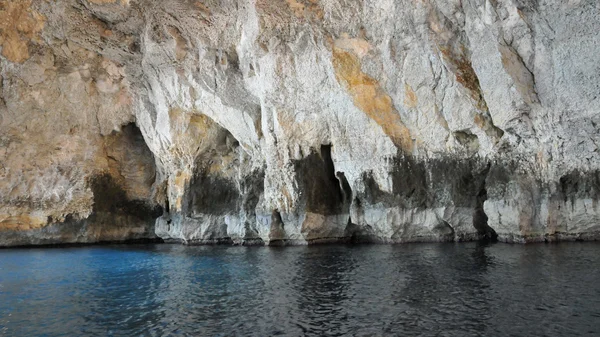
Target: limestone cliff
(299,121)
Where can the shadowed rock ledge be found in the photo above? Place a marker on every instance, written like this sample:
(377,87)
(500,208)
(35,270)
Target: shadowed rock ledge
(298,122)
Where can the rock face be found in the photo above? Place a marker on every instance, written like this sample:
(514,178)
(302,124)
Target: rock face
(299,121)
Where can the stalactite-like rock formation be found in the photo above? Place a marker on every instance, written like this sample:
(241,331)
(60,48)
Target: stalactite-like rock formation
(299,121)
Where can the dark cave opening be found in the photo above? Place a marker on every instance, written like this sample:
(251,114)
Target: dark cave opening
(480,219)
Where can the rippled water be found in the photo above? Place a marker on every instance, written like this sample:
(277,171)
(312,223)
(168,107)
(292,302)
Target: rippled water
(407,290)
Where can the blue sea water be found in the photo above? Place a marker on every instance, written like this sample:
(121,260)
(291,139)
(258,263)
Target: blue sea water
(467,289)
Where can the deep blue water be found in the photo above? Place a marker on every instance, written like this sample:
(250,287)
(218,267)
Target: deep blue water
(406,290)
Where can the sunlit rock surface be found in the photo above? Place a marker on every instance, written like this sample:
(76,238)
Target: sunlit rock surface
(299,121)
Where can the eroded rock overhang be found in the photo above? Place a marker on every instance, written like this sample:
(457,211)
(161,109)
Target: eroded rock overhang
(295,122)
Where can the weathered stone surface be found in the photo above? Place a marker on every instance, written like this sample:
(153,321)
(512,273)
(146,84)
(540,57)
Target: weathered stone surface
(299,121)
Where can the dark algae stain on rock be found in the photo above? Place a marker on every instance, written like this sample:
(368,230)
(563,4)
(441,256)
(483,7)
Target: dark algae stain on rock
(114,217)
(579,185)
(111,198)
(419,185)
(429,183)
(251,189)
(317,181)
(211,194)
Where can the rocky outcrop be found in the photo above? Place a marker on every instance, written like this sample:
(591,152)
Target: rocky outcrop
(299,121)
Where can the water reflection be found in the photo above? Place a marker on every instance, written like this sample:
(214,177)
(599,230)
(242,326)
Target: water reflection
(134,279)
(416,289)
(322,282)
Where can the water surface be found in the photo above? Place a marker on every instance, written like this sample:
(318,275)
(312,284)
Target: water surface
(407,290)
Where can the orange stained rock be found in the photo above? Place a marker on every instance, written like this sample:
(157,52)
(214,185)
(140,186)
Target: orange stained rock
(19,24)
(180,43)
(201,123)
(102,2)
(20,222)
(522,77)
(369,97)
(202,7)
(479,121)
(357,46)
(305,8)
(179,182)
(410,97)
(464,74)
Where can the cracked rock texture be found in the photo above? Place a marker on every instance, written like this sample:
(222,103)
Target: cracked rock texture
(299,121)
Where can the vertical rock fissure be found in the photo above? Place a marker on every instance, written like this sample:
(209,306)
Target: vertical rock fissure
(167,205)
(277,231)
(480,219)
(343,190)
(330,169)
